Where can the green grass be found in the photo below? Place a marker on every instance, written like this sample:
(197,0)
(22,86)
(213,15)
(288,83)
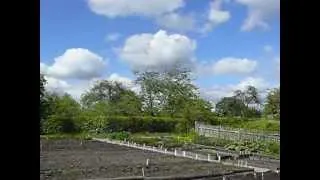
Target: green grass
(84,136)
(263,125)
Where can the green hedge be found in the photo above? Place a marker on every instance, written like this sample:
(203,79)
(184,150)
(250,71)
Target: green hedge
(142,124)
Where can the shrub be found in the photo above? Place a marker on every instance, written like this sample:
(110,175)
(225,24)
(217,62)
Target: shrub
(119,135)
(60,124)
(141,124)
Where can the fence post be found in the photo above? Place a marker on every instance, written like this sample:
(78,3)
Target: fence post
(175,152)
(208,157)
(142,172)
(196,156)
(184,153)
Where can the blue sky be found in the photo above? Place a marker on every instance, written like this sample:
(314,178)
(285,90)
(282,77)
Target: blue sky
(232,43)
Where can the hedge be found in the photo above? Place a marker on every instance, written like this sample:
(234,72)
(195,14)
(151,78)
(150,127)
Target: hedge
(142,124)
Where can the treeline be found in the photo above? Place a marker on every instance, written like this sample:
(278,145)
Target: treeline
(167,102)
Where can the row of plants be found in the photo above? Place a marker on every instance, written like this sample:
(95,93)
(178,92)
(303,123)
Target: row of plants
(179,140)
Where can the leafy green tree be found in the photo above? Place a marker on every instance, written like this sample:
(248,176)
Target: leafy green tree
(151,86)
(230,106)
(272,106)
(64,115)
(114,97)
(102,91)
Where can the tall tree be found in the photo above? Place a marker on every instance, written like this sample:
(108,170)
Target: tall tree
(102,91)
(230,106)
(114,96)
(64,115)
(43,103)
(151,86)
(272,106)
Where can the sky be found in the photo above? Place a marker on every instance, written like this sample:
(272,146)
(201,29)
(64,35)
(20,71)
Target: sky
(229,44)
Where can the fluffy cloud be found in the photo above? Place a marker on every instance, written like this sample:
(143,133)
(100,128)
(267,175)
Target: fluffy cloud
(178,22)
(127,82)
(216,16)
(112,37)
(217,92)
(78,87)
(259,13)
(56,85)
(75,63)
(157,50)
(228,65)
(43,68)
(149,8)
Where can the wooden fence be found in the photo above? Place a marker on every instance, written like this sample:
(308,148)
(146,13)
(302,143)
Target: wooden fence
(233,134)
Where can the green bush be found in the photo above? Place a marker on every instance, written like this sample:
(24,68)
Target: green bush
(119,135)
(60,124)
(141,124)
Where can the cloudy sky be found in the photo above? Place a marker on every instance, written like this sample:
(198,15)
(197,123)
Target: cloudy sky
(230,43)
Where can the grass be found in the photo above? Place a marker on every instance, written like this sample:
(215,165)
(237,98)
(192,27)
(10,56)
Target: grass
(263,125)
(84,136)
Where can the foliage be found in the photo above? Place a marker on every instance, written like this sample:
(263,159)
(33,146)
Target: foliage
(272,106)
(262,147)
(43,103)
(141,124)
(230,106)
(64,117)
(119,135)
(256,124)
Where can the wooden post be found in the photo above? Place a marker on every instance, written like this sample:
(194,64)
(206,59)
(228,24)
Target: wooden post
(208,157)
(165,151)
(175,152)
(147,162)
(196,156)
(184,153)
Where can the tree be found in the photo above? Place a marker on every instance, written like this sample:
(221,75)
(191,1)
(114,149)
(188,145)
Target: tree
(230,106)
(178,90)
(272,106)
(151,87)
(114,96)
(64,115)
(102,91)
(250,98)
(43,104)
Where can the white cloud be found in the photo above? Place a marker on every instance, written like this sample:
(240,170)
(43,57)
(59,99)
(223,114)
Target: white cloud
(79,87)
(157,50)
(229,65)
(217,92)
(56,85)
(268,48)
(75,63)
(216,16)
(149,8)
(113,37)
(43,68)
(259,13)
(127,82)
(178,22)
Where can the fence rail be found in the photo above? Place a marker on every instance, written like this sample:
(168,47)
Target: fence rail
(233,134)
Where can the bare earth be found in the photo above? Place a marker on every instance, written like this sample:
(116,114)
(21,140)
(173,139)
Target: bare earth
(73,160)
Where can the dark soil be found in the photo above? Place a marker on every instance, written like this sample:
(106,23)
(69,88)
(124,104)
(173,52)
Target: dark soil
(75,159)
